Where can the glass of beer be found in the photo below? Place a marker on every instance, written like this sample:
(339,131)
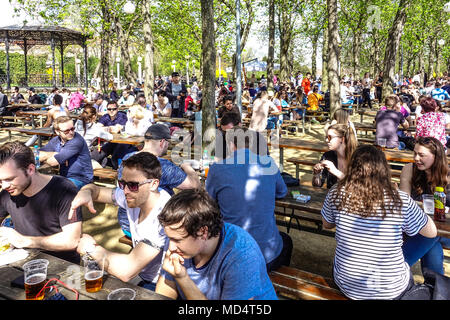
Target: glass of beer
(35,275)
(93,273)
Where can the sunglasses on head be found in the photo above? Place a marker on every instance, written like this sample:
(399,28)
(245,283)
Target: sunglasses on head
(68,130)
(111,109)
(132,186)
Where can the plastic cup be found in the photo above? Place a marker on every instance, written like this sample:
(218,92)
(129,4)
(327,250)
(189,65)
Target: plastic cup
(35,275)
(428,203)
(122,294)
(93,274)
(381,142)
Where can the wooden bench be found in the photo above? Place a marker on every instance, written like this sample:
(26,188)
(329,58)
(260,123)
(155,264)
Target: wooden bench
(126,240)
(105,173)
(395,173)
(301,285)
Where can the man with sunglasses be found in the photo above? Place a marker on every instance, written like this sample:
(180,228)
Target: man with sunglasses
(115,122)
(69,151)
(138,193)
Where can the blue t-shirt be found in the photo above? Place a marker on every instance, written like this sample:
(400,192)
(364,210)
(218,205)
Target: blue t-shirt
(245,186)
(236,271)
(73,158)
(121,118)
(171,175)
(440,94)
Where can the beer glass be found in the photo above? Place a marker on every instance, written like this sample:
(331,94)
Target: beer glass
(93,273)
(428,203)
(122,294)
(382,143)
(35,275)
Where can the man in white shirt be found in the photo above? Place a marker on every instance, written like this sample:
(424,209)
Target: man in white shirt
(138,193)
(127,99)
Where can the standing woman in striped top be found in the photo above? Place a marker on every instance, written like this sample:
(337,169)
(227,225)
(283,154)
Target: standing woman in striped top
(370,217)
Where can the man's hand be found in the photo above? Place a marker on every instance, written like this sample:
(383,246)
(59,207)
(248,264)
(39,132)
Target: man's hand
(86,244)
(173,264)
(15,238)
(83,197)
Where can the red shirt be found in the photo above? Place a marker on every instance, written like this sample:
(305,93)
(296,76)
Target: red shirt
(306,85)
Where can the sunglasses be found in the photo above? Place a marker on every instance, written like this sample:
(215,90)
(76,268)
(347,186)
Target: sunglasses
(132,186)
(68,130)
(111,109)
(329,138)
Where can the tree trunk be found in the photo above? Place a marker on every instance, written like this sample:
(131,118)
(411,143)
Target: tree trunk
(208,71)
(421,68)
(333,56)
(105,48)
(356,52)
(430,58)
(285,42)
(129,74)
(149,78)
(325,61)
(314,41)
(392,47)
(271,53)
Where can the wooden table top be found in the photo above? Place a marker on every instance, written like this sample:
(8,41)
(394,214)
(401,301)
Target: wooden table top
(318,197)
(69,273)
(391,155)
(38,131)
(27,105)
(41,113)
(126,139)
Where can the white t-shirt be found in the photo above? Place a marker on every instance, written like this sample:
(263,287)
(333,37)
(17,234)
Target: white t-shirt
(148,231)
(93,131)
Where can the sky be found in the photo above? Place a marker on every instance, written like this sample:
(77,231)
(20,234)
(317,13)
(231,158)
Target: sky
(6,14)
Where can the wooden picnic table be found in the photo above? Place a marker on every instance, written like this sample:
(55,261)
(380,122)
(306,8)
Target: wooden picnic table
(373,127)
(403,156)
(183,121)
(46,132)
(26,105)
(69,273)
(41,114)
(311,211)
(127,139)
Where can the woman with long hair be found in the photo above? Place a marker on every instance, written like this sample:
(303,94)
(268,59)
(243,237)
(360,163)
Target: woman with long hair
(87,127)
(333,164)
(428,171)
(341,116)
(370,215)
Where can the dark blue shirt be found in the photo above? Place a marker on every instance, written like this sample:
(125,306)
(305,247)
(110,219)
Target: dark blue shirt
(73,158)
(171,175)
(245,186)
(121,118)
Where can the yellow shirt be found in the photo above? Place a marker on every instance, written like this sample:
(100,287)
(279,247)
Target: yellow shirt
(313,101)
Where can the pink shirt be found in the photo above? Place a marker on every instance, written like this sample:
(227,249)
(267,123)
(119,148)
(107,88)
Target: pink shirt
(75,100)
(432,124)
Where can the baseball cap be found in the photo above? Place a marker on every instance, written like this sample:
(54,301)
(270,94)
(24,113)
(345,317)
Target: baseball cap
(157,132)
(175,74)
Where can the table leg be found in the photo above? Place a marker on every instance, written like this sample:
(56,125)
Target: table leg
(32,122)
(281,159)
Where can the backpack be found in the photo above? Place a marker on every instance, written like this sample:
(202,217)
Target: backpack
(42,97)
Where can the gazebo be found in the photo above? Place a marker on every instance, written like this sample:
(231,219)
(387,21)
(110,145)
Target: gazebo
(28,36)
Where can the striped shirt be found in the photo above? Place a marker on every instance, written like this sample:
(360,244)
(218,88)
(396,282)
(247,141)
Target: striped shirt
(369,262)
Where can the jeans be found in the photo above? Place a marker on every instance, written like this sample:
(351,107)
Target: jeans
(79,184)
(122,217)
(428,250)
(147,285)
(284,259)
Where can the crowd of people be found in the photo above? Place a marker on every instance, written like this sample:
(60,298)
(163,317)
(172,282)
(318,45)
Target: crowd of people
(220,240)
